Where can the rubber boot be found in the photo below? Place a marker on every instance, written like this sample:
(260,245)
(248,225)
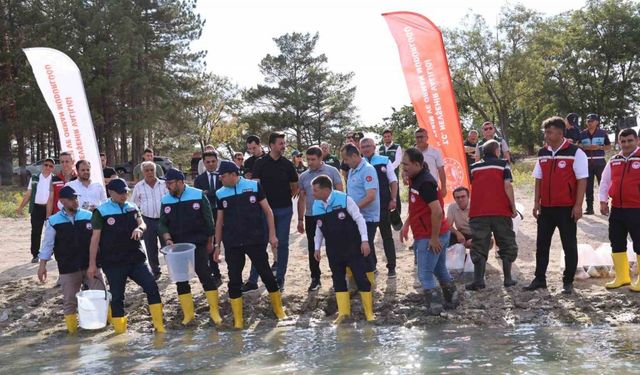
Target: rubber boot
(72,323)
(478,276)
(344,306)
(214,312)
(236,308)
(367,305)
(621,266)
(109,317)
(119,324)
(635,286)
(276,304)
(156,317)
(188,310)
(431,310)
(372,278)
(449,293)
(506,270)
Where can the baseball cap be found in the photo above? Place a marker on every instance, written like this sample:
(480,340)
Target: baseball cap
(67,192)
(173,174)
(572,118)
(295,153)
(51,160)
(118,185)
(227,167)
(593,117)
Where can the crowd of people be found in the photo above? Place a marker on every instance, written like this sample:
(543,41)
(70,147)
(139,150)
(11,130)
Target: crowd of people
(238,207)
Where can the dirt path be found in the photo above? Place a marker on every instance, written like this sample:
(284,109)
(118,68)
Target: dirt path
(28,306)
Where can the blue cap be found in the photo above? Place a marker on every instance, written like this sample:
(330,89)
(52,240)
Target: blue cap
(67,192)
(593,117)
(227,167)
(118,185)
(173,174)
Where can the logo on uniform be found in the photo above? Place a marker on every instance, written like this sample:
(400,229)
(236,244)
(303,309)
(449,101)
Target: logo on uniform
(89,226)
(369,178)
(562,164)
(111,221)
(635,165)
(252,199)
(167,210)
(196,206)
(319,223)
(341,216)
(413,198)
(224,204)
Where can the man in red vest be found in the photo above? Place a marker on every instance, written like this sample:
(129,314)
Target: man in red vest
(621,182)
(560,173)
(492,209)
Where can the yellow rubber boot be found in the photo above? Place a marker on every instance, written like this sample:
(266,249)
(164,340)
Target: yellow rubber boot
(621,266)
(344,306)
(186,302)
(276,304)
(214,312)
(72,323)
(367,305)
(635,286)
(372,278)
(236,308)
(119,324)
(156,317)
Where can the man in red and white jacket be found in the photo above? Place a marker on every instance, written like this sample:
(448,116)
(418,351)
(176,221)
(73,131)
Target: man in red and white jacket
(492,209)
(621,182)
(560,173)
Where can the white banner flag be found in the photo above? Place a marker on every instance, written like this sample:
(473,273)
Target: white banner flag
(61,85)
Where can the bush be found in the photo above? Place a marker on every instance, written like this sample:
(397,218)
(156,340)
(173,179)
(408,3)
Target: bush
(521,172)
(10,198)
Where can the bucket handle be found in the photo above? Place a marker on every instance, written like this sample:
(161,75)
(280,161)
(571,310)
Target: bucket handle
(106,296)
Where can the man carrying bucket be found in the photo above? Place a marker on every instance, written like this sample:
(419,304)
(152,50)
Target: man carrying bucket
(186,216)
(240,224)
(68,235)
(117,231)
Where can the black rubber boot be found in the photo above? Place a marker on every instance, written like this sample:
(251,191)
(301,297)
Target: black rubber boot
(478,276)
(450,294)
(536,284)
(432,309)
(506,270)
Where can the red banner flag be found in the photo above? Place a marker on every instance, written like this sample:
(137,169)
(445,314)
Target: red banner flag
(426,70)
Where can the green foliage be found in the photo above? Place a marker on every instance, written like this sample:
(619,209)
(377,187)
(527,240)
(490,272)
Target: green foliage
(402,122)
(521,173)
(10,198)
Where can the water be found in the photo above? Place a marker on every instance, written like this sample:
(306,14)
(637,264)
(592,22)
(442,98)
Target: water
(358,349)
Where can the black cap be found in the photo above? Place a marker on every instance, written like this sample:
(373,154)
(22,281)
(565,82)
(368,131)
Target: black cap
(572,118)
(173,174)
(67,192)
(227,167)
(593,117)
(118,185)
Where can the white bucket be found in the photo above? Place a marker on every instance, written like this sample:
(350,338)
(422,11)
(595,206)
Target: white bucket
(181,261)
(93,305)
(518,219)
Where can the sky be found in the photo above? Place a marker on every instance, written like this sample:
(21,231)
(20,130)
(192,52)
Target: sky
(353,36)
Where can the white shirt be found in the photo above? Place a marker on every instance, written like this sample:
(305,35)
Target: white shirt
(43,189)
(354,211)
(88,196)
(433,158)
(148,198)
(605,181)
(580,164)
(391,176)
(398,158)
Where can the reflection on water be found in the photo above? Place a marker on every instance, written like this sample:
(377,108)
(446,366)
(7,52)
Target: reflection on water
(329,350)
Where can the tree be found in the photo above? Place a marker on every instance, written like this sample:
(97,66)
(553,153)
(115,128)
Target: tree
(403,123)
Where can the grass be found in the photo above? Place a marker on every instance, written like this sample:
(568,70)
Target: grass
(10,198)
(521,172)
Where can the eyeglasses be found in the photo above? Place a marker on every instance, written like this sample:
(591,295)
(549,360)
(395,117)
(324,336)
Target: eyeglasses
(488,128)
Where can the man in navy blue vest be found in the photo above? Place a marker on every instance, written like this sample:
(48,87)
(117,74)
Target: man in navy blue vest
(594,141)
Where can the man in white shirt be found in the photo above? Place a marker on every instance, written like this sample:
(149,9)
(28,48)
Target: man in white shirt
(90,194)
(433,159)
(39,195)
(147,195)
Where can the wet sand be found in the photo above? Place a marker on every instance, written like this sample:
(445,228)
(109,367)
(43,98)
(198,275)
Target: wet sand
(27,306)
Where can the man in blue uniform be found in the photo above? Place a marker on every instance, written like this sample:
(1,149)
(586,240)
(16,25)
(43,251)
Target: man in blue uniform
(117,231)
(186,216)
(594,141)
(240,225)
(342,227)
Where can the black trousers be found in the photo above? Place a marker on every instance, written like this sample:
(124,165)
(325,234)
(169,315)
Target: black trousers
(38,217)
(235,258)
(310,230)
(372,260)
(151,238)
(624,222)
(387,239)
(549,219)
(215,269)
(202,270)
(595,172)
(117,278)
(339,262)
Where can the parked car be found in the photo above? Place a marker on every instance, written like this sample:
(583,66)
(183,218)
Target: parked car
(36,168)
(164,162)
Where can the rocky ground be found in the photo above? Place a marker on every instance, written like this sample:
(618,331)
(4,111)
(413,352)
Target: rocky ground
(27,306)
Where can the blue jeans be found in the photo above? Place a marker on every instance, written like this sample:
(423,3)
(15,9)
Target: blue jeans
(282,217)
(431,264)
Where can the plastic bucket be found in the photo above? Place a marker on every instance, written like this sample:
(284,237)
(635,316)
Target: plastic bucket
(181,261)
(93,306)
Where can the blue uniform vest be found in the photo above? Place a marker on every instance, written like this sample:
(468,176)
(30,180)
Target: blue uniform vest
(244,222)
(341,236)
(116,246)
(380,162)
(71,246)
(185,217)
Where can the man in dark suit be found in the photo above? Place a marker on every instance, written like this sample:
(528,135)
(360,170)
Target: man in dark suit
(209,182)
